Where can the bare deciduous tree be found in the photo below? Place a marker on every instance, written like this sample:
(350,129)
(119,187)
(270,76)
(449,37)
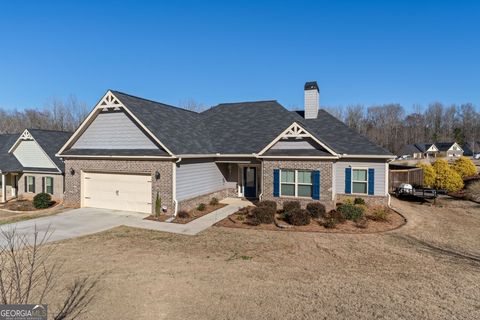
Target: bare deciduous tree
(29,274)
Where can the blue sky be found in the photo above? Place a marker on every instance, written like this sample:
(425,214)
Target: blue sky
(368,52)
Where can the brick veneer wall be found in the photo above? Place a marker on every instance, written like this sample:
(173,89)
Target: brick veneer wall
(163,186)
(369,200)
(194,202)
(325,168)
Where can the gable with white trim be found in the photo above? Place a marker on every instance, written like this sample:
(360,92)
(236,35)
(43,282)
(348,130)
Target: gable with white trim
(31,155)
(295,137)
(113,130)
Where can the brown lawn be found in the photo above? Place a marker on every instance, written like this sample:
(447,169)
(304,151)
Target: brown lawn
(427,269)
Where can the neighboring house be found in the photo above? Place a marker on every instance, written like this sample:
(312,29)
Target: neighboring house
(471,148)
(28,165)
(449,149)
(130,149)
(420,150)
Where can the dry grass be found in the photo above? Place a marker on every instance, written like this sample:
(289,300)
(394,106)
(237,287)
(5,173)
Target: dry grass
(428,269)
(12,217)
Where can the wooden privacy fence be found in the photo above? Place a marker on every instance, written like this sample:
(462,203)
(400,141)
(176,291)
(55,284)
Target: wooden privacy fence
(399,174)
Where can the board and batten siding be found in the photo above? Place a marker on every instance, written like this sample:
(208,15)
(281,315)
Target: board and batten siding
(196,178)
(113,130)
(293,144)
(30,155)
(380,174)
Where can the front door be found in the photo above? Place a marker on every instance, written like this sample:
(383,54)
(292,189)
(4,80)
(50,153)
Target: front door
(250,182)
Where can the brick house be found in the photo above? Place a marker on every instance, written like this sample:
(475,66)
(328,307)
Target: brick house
(130,150)
(28,164)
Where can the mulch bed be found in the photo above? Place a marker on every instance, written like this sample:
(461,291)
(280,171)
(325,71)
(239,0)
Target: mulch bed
(194,214)
(239,220)
(23,205)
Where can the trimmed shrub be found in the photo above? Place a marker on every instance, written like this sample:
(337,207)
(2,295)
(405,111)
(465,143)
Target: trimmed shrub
(201,207)
(268,203)
(332,218)
(473,191)
(359,201)
(446,178)
(429,174)
(42,201)
(379,214)
(264,215)
(289,206)
(298,217)
(361,223)
(182,214)
(213,201)
(316,209)
(351,212)
(464,167)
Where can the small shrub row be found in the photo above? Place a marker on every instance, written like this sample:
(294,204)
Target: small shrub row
(351,212)
(263,214)
(298,217)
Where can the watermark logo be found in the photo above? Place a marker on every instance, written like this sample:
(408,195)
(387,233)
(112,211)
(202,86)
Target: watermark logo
(23,312)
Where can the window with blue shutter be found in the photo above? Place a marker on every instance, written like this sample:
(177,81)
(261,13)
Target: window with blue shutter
(348,180)
(316,185)
(276,182)
(371,181)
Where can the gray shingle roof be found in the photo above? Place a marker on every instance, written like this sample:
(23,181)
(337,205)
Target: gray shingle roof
(116,152)
(50,141)
(239,128)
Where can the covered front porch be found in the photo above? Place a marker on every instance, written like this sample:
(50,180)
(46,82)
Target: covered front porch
(8,186)
(244,175)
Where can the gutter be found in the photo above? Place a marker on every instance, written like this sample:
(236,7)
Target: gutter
(174,183)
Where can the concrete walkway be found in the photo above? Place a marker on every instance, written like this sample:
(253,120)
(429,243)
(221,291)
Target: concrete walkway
(85,221)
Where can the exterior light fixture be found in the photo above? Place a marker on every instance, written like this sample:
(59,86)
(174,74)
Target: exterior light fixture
(157,175)
(72,171)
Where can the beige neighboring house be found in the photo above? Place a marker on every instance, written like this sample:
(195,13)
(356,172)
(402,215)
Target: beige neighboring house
(129,150)
(449,149)
(28,165)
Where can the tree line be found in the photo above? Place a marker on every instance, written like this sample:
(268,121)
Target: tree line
(390,126)
(63,115)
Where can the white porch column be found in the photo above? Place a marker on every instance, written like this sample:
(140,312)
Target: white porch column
(4,188)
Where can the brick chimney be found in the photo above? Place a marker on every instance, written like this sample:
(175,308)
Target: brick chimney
(312,100)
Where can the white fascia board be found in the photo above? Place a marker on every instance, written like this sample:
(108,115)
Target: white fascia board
(91,116)
(364,156)
(298,157)
(308,135)
(114,157)
(26,135)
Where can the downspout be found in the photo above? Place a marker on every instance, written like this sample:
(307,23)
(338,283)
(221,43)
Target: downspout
(174,182)
(387,184)
(261,172)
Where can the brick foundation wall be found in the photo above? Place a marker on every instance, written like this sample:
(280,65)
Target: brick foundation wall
(369,200)
(192,203)
(325,168)
(163,186)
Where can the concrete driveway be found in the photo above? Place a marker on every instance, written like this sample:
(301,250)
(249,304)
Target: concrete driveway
(75,223)
(85,221)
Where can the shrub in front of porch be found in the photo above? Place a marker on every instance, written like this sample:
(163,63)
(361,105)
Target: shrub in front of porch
(289,206)
(264,214)
(42,201)
(298,217)
(316,209)
(268,203)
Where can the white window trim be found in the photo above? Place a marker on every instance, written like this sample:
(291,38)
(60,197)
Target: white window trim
(45,185)
(366,181)
(295,183)
(28,184)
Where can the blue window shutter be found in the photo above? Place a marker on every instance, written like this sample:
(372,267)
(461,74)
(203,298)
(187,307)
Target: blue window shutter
(371,181)
(276,182)
(316,185)
(348,180)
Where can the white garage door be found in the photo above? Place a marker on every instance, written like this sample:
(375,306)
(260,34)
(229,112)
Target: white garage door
(117,191)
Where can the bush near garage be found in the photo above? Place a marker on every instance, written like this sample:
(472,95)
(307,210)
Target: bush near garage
(42,200)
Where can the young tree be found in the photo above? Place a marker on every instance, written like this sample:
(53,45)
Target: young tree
(464,167)
(429,174)
(445,177)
